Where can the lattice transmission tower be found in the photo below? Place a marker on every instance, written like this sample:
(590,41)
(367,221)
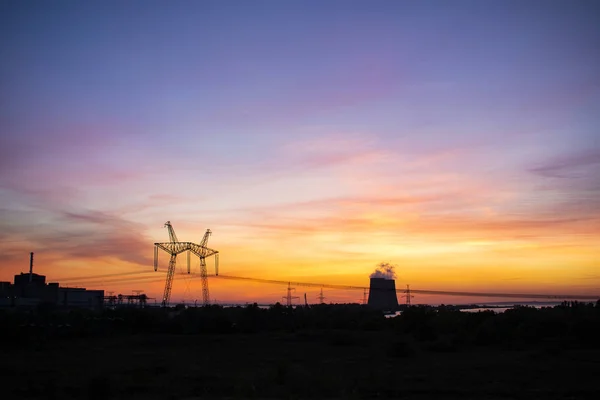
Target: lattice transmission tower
(407,295)
(288,299)
(364,299)
(175,247)
(321,297)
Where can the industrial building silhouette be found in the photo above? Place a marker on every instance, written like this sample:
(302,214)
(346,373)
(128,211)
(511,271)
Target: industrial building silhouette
(382,294)
(30,290)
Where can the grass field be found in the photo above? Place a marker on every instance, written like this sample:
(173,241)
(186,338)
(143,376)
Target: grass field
(292,365)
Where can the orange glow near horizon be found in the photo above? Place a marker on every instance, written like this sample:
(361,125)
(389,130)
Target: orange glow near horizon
(431,260)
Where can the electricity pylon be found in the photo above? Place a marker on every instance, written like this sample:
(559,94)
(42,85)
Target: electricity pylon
(408,295)
(175,247)
(321,297)
(288,299)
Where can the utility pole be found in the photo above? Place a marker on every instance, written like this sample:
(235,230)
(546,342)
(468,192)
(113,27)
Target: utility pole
(30,267)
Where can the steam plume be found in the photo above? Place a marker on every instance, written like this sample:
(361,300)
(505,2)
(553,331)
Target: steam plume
(385,271)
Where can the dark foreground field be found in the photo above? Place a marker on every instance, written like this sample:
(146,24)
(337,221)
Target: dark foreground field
(376,361)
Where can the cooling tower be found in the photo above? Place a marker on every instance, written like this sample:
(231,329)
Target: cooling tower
(382,294)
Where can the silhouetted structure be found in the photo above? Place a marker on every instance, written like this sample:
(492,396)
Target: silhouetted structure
(138,300)
(407,295)
(30,266)
(175,247)
(30,289)
(382,294)
(321,297)
(288,298)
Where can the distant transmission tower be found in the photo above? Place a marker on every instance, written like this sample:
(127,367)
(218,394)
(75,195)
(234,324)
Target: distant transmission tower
(364,300)
(289,296)
(408,295)
(321,297)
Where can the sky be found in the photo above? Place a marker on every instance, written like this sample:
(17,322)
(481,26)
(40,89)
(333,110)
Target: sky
(457,140)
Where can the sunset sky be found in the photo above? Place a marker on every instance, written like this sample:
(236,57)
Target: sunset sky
(459,140)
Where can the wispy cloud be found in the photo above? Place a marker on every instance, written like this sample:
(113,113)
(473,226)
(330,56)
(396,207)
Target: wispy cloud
(571,166)
(435,216)
(434,225)
(102,234)
(83,236)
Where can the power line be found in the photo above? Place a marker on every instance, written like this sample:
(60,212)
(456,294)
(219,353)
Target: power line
(86,278)
(148,279)
(98,279)
(421,291)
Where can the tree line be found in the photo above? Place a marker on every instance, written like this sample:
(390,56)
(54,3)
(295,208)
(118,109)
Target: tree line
(442,328)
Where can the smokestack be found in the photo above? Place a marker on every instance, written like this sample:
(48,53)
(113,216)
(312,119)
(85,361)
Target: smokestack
(30,267)
(382,294)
